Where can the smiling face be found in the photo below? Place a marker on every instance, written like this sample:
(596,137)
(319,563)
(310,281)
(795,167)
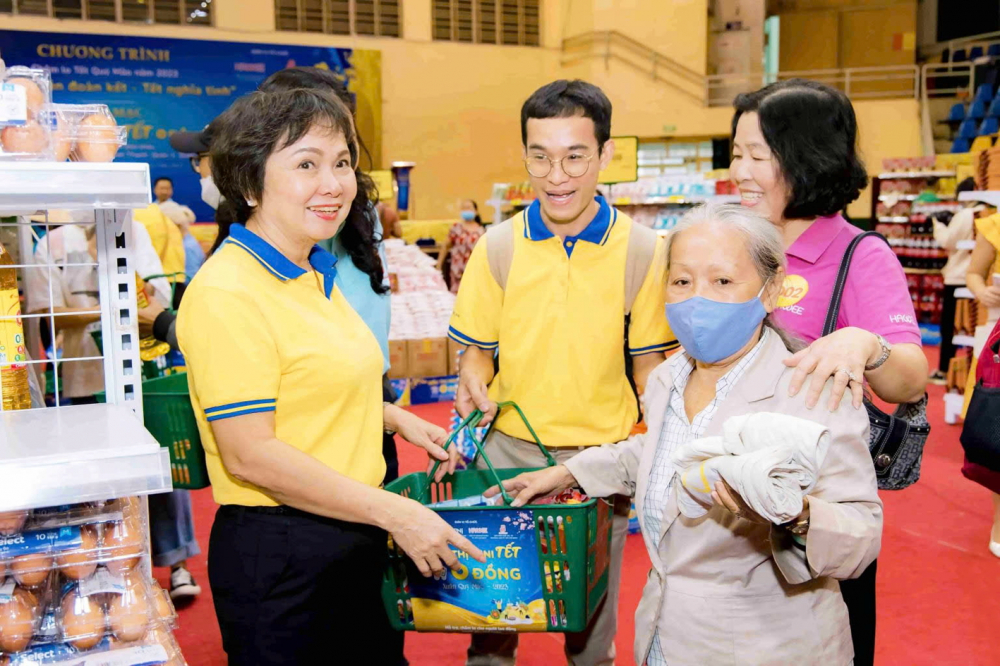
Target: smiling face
(309,186)
(163,190)
(756,171)
(563,198)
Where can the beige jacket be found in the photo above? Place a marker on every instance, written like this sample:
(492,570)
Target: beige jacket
(725,591)
(948,236)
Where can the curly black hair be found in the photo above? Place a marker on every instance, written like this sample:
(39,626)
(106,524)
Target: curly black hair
(257,125)
(358,235)
(813,132)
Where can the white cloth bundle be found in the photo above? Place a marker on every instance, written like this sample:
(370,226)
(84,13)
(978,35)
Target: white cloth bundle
(771,460)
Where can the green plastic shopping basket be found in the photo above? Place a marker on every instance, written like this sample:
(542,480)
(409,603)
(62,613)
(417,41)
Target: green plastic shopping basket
(572,550)
(169,417)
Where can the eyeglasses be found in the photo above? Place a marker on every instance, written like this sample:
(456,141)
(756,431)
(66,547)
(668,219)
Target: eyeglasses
(196,162)
(573,165)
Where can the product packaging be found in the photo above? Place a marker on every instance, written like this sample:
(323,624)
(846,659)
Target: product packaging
(24,93)
(84,132)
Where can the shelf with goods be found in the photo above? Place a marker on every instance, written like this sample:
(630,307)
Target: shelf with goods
(906,197)
(423,360)
(75,572)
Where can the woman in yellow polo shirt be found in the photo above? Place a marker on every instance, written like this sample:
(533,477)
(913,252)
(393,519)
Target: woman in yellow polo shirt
(285,379)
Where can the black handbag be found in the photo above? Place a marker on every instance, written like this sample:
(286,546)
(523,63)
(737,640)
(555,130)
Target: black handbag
(897,440)
(981,430)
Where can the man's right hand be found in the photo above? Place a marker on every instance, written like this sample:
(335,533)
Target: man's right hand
(472,395)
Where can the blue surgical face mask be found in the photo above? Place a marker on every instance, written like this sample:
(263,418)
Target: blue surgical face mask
(468,215)
(711,331)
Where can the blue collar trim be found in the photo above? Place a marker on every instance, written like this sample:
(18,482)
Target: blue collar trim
(278,264)
(597,232)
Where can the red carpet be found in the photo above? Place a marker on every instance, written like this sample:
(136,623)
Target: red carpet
(939,586)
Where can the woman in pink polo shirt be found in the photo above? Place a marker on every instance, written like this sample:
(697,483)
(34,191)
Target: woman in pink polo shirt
(795,162)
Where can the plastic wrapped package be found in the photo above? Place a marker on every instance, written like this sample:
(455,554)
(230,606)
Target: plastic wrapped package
(24,135)
(74,542)
(84,132)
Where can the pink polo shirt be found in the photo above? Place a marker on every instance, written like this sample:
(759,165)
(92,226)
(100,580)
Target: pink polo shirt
(876,296)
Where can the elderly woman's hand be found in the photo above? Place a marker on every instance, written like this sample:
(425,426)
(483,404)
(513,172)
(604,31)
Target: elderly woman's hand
(731,500)
(842,355)
(526,487)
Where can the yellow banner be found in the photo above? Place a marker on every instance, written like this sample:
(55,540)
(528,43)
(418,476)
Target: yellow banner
(624,166)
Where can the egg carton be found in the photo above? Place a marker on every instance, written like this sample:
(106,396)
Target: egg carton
(157,647)
(83,132)
(122,609)
(73,543)
(24,135)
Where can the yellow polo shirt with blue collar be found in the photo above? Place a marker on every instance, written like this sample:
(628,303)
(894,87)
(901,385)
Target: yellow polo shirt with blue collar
(261,334)
(559,327)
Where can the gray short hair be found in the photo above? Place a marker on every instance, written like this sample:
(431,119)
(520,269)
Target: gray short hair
(761,238)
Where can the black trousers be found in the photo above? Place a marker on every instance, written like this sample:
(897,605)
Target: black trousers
(389,441)
(859,595)
(948,306)
(292,588)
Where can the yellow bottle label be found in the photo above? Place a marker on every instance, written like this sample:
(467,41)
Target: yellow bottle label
(11,330)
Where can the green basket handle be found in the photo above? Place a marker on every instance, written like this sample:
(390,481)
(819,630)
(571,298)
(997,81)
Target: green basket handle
(470,422)
(171,277)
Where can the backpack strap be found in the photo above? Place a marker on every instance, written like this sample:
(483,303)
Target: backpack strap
(833,312)
(638,260)
(500,250)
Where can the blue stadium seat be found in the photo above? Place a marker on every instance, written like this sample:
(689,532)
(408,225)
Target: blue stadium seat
(984,92)
(977,111)
(959,56)
(968,130)
(994,110)
(957,113)
(975,52)
(989,126)
(960,146)
(993,50)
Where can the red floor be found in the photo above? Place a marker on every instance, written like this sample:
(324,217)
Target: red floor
(939,586)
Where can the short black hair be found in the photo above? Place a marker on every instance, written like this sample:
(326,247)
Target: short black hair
(564,99)
(261,123)
(967,185)
(813,132)
(310,78)
(157,181)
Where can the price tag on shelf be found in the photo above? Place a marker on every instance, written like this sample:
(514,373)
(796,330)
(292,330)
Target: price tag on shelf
(676,198)
(623,201)
(515,202)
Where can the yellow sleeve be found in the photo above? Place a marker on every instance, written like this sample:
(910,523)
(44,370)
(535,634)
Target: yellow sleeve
(476,318)
(232,359)
(151,218)
(648,329)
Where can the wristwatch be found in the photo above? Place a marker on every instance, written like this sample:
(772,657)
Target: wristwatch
(385,428)
(886,350)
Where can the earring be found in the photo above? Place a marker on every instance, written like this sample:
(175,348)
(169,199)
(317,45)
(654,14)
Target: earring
(251,203)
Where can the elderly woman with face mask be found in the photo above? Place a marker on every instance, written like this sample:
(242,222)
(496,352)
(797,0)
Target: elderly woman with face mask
(729,586)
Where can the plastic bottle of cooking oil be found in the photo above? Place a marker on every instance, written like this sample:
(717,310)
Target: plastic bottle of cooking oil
(13,371)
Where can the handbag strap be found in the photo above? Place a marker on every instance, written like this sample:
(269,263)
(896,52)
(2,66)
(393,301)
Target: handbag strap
(833,312)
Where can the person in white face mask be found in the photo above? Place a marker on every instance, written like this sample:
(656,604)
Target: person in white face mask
(198,144)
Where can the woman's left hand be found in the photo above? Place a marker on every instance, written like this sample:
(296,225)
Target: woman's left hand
(730,500)
(427,436)
(840,355)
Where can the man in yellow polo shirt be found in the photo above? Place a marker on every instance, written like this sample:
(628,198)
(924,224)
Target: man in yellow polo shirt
(557,289)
